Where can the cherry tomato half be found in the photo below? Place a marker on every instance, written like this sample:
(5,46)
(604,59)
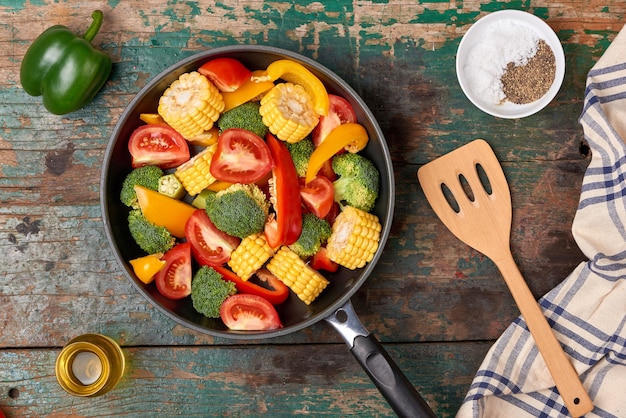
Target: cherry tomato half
(209,245)
(244,312)
(228,74)
(318,196)
(159,145)
(174,279)
(241,157)
(340,111)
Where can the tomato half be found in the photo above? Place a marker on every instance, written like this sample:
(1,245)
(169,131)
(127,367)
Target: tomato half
(340,111)
(249,313)
(174,279)
(209,245)
(241,157)
(228,74)
(318,196)
(157,144)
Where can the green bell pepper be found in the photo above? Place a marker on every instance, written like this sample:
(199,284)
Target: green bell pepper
(64,68)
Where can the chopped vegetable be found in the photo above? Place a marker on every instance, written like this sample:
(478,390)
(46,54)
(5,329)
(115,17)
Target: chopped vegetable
(200,200)
(290,269)
(245,116)
(249,313)
(288,112)
(240,210)
(209,245)
(275,293)
(248,91)
(191,104)
(315,232)
(241,157)
(300,152)
(195,174)
(150,237)
(354,239)
(209,291)
(228,74)
(147,266)
(170,186)
(358,181)
(340,111)
(174,279)
(250,256)
(318,196)
(147,176)
(164,211)
(351,136)
(157,144)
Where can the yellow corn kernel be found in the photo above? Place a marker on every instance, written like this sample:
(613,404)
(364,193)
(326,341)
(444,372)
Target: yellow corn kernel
(195,174)
(288,112)
(250,255)
(355,238)
(191,104)
(290,269)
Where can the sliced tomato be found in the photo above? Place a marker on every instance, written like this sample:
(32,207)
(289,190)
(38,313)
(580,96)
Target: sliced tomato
(157,144)
(340,111)
(209,245)
(174,279)
(241,157)
(318,196)
(320,261)
(243,312)
(228,74)
(327,170)
(276,294)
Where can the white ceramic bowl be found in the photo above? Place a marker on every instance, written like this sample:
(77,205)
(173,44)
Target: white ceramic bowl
(477,35)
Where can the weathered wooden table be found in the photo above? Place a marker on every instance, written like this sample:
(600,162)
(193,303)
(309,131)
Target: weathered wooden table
(434,303)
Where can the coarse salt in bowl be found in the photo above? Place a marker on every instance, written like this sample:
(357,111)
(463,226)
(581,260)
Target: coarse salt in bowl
(494,41)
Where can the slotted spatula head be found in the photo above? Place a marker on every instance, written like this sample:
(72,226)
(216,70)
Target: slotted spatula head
(469,193)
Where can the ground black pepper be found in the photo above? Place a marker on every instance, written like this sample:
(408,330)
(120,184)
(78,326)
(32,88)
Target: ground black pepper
(526,83)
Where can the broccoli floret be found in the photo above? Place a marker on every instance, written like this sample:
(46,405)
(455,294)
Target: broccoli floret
(209,290)
(150,237)
(239,210)
(358,181)
(245,116)
(300,153)
(315,232)
(147,176)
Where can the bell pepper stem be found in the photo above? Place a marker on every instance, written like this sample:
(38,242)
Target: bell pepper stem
(95,25)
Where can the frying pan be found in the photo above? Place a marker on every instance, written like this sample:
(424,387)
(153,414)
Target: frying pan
(333,305)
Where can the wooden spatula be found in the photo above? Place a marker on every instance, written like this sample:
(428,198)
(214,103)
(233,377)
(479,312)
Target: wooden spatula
(469,193)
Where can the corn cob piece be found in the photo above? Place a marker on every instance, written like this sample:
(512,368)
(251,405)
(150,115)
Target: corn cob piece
(250,255)
(195,174)
(354,239)
(288,112)
(290,269)
(191,104)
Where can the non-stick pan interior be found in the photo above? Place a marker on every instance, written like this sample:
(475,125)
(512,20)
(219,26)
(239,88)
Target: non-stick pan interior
(117,164)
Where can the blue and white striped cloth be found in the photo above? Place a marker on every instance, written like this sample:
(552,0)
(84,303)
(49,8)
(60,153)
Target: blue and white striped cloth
(587,311)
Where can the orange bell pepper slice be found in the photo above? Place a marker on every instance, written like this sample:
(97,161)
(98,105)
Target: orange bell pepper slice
(247,91)
(147,267)
(164,211)
(351,136)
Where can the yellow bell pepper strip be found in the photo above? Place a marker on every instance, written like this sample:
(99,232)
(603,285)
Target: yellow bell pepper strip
(147,267)
(286,227)
(151,118)
(351,136)
(297,73)
(164,211)
(247,91)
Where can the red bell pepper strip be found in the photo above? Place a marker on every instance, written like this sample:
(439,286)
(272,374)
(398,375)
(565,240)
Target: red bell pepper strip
(276,295)
(288,221)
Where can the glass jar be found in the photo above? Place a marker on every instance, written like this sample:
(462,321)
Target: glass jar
(90,365)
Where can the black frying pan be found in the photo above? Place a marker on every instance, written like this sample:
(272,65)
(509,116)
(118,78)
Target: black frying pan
(333,305)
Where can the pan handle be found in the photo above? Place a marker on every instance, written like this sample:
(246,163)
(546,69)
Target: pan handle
(386,375)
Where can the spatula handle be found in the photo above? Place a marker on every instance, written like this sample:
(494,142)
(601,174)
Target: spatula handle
(565,377)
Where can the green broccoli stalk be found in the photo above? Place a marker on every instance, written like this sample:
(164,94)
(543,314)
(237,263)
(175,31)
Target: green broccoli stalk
(239,210)
(245,116)
(300,153)
(147,176)
(209,290)
(358,181)
(315,232)
(150,237)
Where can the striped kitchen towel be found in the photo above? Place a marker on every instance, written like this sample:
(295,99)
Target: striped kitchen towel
(587,311)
